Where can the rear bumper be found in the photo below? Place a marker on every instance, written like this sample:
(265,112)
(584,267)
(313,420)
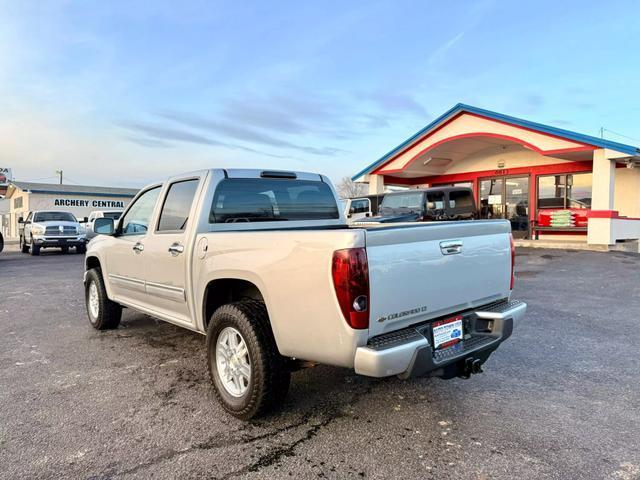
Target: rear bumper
(409,352)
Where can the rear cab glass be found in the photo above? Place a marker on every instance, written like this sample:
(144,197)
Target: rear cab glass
(403,200)
(360,206)
(275,199)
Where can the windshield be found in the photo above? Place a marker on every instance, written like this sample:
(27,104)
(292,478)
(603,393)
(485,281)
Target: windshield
(404,201)
(114,215)
(54,217)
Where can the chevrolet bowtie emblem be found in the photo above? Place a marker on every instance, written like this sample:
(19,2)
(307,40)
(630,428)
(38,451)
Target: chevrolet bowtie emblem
(61,228)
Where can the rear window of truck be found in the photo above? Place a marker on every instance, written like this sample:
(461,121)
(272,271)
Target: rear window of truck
(403,200)
(269,200)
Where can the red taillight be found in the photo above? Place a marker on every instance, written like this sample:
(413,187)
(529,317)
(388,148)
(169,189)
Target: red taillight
(513,262)
(350,272)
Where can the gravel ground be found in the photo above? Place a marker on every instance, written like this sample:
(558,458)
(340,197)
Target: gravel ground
(560,399)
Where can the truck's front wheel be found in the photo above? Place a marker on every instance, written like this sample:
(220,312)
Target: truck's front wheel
(249,374)
(103,313)
(24,248)
(34,249)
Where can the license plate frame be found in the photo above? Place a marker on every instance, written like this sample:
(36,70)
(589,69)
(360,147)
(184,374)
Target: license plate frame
(447,332)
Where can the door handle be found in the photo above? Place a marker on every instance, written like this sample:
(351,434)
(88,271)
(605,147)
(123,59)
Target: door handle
(138,247)
(176,249)
(451,247)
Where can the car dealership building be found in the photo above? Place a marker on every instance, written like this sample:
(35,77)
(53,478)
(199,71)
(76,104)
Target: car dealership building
(23,197)
(549,182)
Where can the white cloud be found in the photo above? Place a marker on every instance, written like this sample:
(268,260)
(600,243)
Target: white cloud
(440,52)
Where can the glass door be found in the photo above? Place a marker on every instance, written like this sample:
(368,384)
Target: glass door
(517,205)
(492,198)
(506,197)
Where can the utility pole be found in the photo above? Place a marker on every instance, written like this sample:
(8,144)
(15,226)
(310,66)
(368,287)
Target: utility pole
(59,172)
(601,132)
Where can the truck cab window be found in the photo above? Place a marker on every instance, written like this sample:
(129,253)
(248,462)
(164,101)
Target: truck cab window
(272,200)
(460,199)
(435,200)
(360,206)
(177,205)
(136,221)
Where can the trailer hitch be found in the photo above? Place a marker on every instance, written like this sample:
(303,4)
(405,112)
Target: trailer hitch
(471,366)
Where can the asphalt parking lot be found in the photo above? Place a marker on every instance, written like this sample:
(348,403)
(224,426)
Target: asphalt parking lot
(560,399)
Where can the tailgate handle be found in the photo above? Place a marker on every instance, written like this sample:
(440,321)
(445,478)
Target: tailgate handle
(451,247)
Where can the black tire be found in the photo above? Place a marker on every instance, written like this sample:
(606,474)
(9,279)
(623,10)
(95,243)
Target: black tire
(64,249)
(1,242)
(34,249)
(270,376)
(81,249)
(24,248)
(109,312)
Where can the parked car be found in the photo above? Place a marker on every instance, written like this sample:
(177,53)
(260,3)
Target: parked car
(51,229)
(362,207)
(115,214)
(265,265)
(427,204)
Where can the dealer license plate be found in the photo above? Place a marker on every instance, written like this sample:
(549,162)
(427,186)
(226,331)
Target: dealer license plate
(447,332)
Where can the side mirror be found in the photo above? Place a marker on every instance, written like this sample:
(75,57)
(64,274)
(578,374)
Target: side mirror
(20,220)
(85,220)
(352,211)
(103,226)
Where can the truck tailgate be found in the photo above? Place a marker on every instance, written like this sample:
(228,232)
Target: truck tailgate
(423,271)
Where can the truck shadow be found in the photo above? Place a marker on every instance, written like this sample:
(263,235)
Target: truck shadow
(312,389)
(176,361)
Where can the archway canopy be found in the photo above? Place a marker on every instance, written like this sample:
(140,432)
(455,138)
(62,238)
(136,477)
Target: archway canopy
(465,130)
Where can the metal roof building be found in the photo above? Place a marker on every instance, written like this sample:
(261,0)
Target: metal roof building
(80,200)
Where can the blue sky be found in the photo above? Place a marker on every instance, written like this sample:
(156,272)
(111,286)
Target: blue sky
(123,93)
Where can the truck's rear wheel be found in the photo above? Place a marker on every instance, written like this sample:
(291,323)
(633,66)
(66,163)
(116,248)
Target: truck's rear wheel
(249,374)
(103,313)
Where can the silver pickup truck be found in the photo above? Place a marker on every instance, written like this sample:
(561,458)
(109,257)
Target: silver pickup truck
(264,264)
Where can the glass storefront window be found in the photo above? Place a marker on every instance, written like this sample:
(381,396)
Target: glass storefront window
(565,191)
(579,190)
(551,191)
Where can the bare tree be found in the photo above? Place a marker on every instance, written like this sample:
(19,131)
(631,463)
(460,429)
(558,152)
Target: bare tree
(347,188)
